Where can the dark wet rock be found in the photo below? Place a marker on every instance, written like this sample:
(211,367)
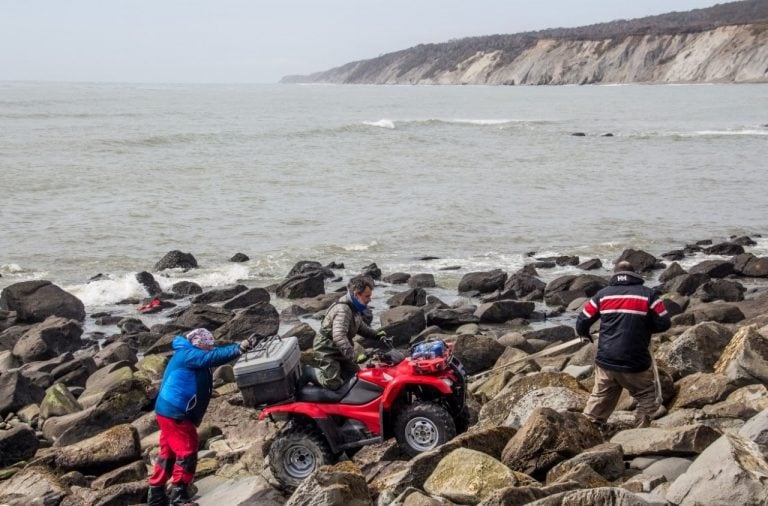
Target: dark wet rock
(247,298)
(371,270)
(260,319)
(34,301)
(202,315)
(239,258)
(396,278)
(422,281)
(718,312)
(412,297)
(132,326)
(335,265)
(450,268)
(402,323)
(483,282)
(591,264)
(149,283)
(54,336)
(551,334)
(525,285)
(219,295)
(503,310)
(108,320)
(428,258)
(548,438)
(725,248)
(720,289)
(75,372)
(686,284)
(749,265)
(578,134)
(640,260)
(176,259)
(673,255)
(305,267)
(477,353)
(186,288)
(544,264)
(565,289)
(17,444)
(300,286)
(304,333)
(114,352)
(713,268)
(704,242)
(10,336)
(672,272)
(451,318)
(317,303)
(16,391)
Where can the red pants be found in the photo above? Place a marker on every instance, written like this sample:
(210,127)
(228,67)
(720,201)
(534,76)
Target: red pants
(177,460)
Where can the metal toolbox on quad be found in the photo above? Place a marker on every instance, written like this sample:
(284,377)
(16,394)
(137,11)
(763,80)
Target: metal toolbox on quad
(269,373)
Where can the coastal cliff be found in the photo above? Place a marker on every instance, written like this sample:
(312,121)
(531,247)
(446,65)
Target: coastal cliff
(708,46)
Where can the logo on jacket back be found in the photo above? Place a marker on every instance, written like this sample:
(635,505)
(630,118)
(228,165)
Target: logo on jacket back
(622,278)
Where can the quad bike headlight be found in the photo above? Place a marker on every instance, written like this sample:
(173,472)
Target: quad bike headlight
(447,381)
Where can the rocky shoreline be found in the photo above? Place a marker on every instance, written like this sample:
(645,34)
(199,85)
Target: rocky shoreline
(77,426)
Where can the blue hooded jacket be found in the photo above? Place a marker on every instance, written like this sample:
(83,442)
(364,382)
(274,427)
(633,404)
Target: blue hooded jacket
(188,382)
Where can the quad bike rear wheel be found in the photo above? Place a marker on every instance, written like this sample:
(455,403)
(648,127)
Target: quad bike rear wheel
(423,426)
(296,453)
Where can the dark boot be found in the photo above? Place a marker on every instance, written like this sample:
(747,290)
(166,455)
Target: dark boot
(180,496)
(157,497)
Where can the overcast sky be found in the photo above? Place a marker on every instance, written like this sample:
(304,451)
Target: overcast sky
(259,41)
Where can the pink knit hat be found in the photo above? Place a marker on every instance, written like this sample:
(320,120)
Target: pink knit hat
(200,337)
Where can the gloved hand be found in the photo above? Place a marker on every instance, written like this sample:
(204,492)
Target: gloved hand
(586,339)
(361,357)
(245,345)
(383,337)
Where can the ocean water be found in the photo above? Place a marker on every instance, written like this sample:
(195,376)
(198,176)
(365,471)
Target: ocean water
(106,178)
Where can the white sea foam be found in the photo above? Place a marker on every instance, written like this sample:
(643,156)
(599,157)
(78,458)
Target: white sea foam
(11,268)
(108,291)
(382,123)
(223,275)
(360,247)
(483,122)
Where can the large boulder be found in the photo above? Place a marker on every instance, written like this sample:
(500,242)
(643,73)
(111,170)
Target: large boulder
(150,284)
(725,248)
(34,485)
(713,268)
(606,459)
(425,280)
(720,289)
(495,411)
(525,286)
(745,359)
(402,323)
(115,352)
(58,401)
(261,319)
(16,391)
(612,496)
(134,492)
(501,311)
(176,259)
(448,318)
(749,265)
(34,301)
(305,285)
(697,349)
(186,288)
(700,389)
(685,284)
(547,438)
(412,297)
(477,353)
(743,403)
(17,444)
(307,266)
(202,316)
(103,382)
(552,334)
(717,312)
(106,451)
(681,441)
(483,282)
(565,289)
(639,259)
(397,278)
(467,476)
(372,271)
(247,298)
(515,495)
(557,398)
(732,470)
(671,272)
(304,333)
(342,483)
(219,295)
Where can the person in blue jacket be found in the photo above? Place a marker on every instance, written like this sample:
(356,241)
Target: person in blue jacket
(181,403)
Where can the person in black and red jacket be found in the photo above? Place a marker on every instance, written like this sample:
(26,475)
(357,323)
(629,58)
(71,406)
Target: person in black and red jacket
(629,313)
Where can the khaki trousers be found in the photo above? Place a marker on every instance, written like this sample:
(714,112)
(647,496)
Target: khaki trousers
(607,390)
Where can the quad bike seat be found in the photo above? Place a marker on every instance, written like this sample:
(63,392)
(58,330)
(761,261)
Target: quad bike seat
(314,393)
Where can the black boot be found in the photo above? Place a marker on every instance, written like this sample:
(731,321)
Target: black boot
(157,497)
(180,496)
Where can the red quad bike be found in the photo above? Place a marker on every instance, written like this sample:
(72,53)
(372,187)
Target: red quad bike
(420,400)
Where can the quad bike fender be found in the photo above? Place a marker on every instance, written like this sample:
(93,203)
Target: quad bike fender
(294,408)
(402,382)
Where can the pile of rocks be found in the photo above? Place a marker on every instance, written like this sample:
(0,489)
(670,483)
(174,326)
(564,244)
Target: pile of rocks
(77,427)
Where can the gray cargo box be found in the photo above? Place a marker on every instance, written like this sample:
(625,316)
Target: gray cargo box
(269,373)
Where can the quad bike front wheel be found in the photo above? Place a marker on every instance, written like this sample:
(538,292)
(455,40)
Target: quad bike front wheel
(423,426)
(296,453)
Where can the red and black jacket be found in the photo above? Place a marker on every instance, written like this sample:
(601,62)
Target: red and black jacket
(629,313)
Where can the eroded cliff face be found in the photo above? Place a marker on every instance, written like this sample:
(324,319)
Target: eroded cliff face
(725,54)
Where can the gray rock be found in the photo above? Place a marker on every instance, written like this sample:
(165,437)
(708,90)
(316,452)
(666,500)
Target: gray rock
(132,326)
(718,312)
(342,483)
(551,334)
(16,391)
(371,271)
(591,264)
(412,297)
(748,264)
(732,470)
(557,398)
(725,248)
(422,281)
(503,310)
(304,333)
(676,441)
(305,285)
(525,495)
(135,471)
(743,403)
(49,339)
(307,266)
(450,318)
(525,286)
(606,459)
(261,319)
(149,283)
(713,268)
(402,323)
(746,357)
(34,301)
(579,371)
(96,455)
(242,491)
(671,272)
(640,260)
(186,288)
(477,353)
(202,316)
(397,278)
(700,389)
(720,289)
(58,401)
(671,468)
(176,259)
(589,497)
(239,258)
(115,352)
(34,485)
